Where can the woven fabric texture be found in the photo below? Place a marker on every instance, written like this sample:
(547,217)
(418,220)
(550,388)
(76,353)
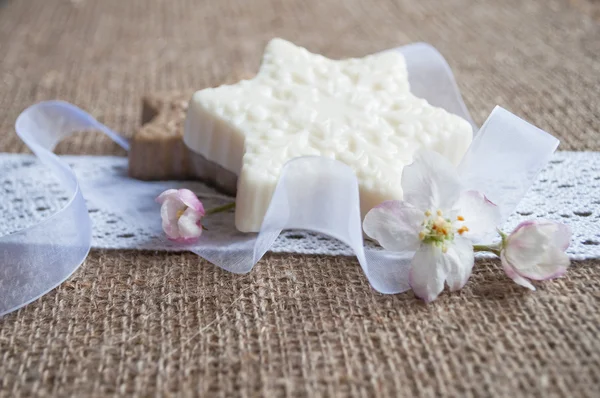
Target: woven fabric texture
(154,324)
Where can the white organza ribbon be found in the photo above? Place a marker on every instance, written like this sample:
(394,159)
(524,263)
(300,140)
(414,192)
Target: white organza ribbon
(313,193)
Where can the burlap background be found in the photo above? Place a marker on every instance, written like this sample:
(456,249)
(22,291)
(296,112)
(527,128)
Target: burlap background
(130,323)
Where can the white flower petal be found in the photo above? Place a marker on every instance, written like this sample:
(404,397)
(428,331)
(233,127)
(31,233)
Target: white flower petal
(458,260)
(554,263)
(170,209)
(430,182)
(395,225)
(524,247)
(188,224)
(166,194)
(427,272)
(535,250)
(512,274)
(168,212)
(559,234)
(480,215)
(190,200)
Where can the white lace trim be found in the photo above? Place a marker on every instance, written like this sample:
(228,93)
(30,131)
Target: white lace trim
(568,190)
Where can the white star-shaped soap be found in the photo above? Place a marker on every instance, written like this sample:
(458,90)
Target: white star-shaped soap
(358,111)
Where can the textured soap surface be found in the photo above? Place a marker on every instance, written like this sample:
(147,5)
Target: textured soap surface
(358,111)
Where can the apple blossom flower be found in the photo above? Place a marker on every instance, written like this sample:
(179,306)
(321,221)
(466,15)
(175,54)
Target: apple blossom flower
(535,250)
(181,212)
(437,220)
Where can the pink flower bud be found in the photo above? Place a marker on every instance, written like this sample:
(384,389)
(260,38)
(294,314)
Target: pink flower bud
(181,211)
(535,250)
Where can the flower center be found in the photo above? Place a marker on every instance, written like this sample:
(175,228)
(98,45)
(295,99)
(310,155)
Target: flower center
(180,213)
(439,230)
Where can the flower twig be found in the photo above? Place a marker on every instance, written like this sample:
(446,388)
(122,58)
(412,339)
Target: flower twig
(487,248)
(496,249)
(220,209)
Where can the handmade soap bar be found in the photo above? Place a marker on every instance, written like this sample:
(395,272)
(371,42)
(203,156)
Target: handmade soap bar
(358,111)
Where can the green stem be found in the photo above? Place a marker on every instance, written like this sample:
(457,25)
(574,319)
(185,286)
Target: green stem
(487,248)
(503,236)
(220,209)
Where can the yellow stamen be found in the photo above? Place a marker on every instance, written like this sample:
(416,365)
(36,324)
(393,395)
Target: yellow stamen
(439,213)
(180,213)
(427,213)
(421,235)
(463,229)
(460,218)
(444,249)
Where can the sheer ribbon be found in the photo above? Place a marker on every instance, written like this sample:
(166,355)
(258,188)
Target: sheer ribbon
(313,193)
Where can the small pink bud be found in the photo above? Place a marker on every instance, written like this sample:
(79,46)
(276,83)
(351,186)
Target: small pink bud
(535,250)
(181,212)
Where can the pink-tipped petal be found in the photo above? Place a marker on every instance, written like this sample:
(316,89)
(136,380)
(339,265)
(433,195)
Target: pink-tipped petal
(560,234)
(188,224)
(191,200)
(512,274)
(535,250)
(458,261)
(166,194)
(169,211)
(395,225)
(523,224)
(427,272)
(553,264)
(430,182)
(480,215)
